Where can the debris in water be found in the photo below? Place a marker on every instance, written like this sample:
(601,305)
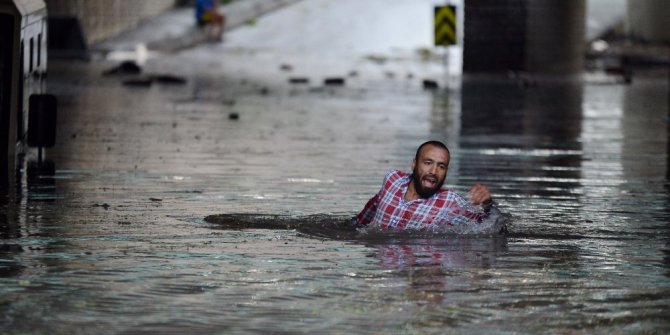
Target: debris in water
(155,199)
(234,116)
(429,84)
(126,67)
(140,82)
(298,80)
(105,206)
(146,81)
(169,79)
(286,67)
(335,81)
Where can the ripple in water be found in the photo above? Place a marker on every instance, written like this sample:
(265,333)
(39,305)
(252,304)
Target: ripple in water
(339,227)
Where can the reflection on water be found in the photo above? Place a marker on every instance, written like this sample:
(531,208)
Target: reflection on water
(437,265)
(112,238)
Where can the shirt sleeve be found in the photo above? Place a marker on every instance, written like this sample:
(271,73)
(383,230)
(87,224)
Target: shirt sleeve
(368,213)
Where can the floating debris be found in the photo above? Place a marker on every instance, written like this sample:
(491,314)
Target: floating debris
(139,82)
(334,81)
(169,79)
(146,81)
(234,116)
(429,84)
(298,80)
(286,67)
(126,67)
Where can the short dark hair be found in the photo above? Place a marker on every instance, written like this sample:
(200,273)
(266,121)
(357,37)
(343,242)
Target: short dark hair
(433,143)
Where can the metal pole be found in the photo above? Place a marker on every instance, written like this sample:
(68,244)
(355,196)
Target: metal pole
(446,66)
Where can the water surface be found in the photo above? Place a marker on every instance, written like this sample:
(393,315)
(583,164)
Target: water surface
(111,238)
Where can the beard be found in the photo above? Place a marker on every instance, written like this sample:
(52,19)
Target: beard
(424,192)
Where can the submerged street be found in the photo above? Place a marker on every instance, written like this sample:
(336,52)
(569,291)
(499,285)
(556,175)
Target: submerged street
(111,237)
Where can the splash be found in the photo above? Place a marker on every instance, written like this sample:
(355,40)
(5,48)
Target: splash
(340,227)
(494,224)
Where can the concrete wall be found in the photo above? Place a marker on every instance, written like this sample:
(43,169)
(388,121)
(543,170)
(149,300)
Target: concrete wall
(555,36)
(536,36)
(649,20)
(494,35)
(101,19)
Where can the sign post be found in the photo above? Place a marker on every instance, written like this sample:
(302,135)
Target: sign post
(445,30)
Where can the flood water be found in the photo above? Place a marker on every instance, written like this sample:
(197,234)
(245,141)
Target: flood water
(111,238)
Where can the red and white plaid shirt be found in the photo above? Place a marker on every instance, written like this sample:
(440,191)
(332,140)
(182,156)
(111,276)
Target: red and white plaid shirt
(389,209)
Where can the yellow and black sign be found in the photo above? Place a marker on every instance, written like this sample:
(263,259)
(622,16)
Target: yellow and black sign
(445,25)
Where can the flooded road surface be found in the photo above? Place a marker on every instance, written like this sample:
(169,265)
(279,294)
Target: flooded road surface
(111,238)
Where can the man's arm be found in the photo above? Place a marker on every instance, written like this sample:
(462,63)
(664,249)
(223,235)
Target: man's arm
(368,213)
(463,211)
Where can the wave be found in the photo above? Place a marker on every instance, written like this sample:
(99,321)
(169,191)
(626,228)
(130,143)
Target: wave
(340,227)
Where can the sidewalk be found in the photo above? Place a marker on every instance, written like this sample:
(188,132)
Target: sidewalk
(176,28)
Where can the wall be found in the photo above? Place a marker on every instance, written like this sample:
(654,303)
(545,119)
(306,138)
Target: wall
(494,37)
(649,20)
(101,19)
(555,36)
(536,36)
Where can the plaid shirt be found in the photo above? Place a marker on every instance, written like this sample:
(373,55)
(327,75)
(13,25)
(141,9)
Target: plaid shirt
(389,209)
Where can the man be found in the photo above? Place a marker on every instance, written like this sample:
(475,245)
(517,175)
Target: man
(207,14)
(417,200)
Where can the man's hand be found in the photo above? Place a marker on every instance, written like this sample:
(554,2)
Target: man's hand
(479,194)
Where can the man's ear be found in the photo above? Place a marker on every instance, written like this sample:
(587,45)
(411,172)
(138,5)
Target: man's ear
(413,164)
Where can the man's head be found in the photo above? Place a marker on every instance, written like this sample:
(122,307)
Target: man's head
(429,168)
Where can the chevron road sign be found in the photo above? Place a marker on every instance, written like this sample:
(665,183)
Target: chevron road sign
(445,25)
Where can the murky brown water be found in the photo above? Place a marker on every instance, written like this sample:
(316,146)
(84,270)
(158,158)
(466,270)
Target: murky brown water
(115,242)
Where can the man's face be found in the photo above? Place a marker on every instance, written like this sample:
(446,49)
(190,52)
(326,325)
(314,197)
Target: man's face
(430,170)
